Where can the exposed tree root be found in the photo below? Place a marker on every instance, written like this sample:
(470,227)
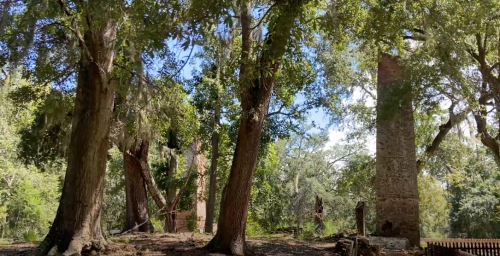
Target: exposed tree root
(236,247)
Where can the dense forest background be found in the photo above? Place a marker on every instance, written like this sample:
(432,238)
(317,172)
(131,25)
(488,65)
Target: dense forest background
(318,137)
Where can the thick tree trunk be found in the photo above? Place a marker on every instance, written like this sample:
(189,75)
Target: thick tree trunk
(153,189)
(256,94)
(137,218)
(77,224)
(209,222)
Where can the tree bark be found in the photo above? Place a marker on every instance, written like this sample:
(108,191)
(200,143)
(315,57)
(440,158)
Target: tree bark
(255,97)
(319,225)
(77,223)
(481,122)
(137,217)
(209,222)
(170,226)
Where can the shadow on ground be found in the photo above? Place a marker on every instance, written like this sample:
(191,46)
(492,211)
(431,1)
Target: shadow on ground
(189,245)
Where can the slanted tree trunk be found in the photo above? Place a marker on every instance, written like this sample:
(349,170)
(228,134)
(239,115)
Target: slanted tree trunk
(255,96)
(161,202)
(209,221)
(77,223)
(137,217)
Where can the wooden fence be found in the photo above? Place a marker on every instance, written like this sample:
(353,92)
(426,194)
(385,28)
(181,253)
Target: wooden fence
(445,247)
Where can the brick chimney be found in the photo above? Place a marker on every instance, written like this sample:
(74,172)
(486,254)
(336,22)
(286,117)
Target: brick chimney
(397,199)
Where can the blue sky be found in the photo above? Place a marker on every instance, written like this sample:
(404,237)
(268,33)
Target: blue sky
(319,116)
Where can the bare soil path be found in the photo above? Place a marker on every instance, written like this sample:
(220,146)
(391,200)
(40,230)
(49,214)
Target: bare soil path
(192,245)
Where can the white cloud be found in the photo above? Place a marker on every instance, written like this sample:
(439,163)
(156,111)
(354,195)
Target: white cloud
(336,139)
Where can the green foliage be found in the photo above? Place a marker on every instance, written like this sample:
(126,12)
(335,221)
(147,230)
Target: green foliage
(473,187)
(157,224)
(30,236)
(27,202)
(192,222)
(434,208)
(253,228)
(44,143)
(114,205)
(164,183)
(327,51)
(330,228)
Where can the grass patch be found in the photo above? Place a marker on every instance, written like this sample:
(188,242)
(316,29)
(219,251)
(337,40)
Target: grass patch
(120,240)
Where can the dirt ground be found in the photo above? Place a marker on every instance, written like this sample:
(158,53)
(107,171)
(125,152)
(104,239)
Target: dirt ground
(191,245)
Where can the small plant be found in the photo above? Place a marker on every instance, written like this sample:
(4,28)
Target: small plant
(330,228)
(4,241)
(308,231)
(157,224)
(253,227)
(121,240)
(192,222)
(31,235)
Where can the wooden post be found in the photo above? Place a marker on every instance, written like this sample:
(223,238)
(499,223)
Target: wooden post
(360,218)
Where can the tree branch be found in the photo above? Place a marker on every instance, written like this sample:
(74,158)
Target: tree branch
(264,16)
(481,123)
(275,112)
(342,158)
(443,131)
(183,188)
(494,66)
(74,29)
(65,8)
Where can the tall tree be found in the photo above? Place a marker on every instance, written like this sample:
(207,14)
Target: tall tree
(81,37)
(77,223)
(255,88)
(214,98)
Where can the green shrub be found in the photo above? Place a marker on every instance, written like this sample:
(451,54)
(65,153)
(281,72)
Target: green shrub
(307,232)
(157,224)
(253,227)
(30,235)
(330,228)
(192,222)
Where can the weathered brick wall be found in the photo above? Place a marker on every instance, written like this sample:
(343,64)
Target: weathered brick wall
(396,179)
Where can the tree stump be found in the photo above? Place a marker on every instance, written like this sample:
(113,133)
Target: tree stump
(319,225)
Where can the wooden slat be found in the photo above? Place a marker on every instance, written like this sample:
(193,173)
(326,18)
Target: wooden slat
(480,247)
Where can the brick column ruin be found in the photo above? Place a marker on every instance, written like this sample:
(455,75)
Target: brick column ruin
(397,200)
